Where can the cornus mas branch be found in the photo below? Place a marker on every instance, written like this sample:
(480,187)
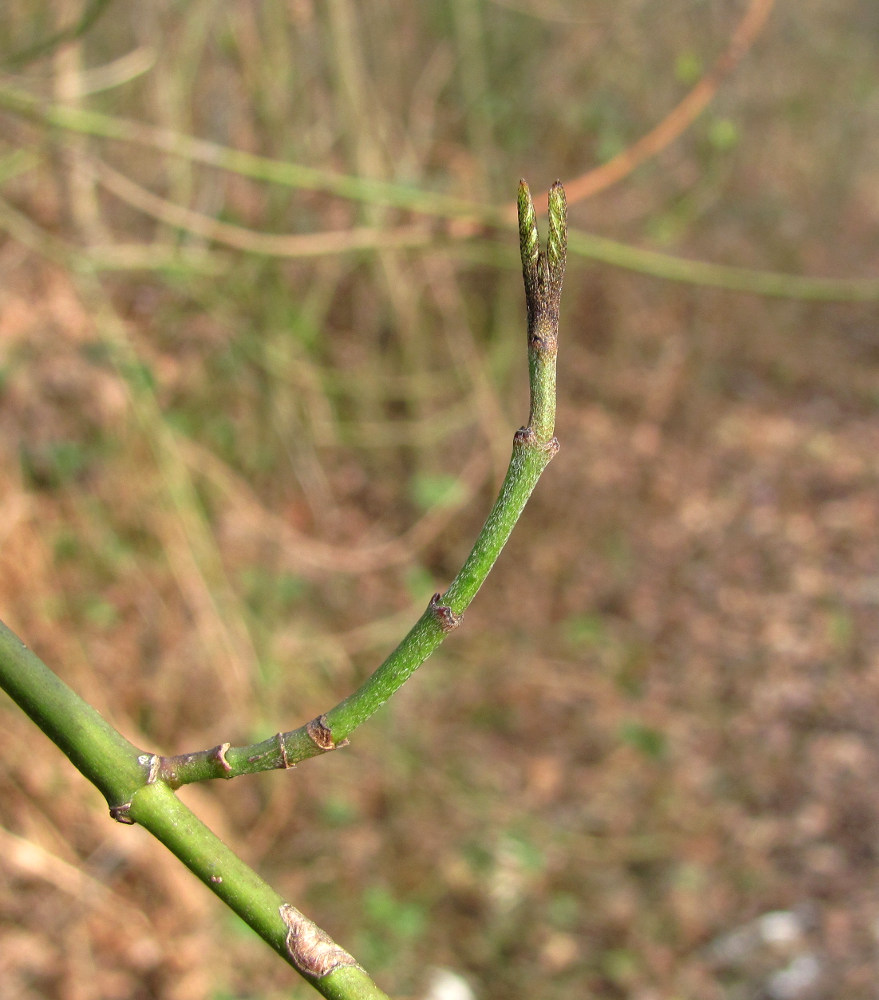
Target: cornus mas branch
(139,786)
(533,448)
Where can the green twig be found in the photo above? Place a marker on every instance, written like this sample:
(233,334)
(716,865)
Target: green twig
(533,448)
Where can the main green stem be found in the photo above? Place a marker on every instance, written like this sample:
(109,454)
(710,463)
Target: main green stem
(139,786)
(122,773)
(115,766)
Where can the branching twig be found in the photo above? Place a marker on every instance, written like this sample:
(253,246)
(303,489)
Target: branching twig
(533,448)
(139,786)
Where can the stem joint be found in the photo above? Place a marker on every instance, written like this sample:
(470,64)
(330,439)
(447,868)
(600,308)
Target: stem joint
(447,620)
(321,735)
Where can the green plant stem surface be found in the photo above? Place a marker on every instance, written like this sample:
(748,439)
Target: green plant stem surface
(527,463)
(97,750)
(121,772)
(158,809)
(533,448)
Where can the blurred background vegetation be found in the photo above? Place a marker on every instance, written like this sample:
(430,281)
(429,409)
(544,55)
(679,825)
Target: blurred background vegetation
(252,416)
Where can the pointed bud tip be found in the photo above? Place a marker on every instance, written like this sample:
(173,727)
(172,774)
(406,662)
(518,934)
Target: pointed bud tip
(557,194)
(528,240)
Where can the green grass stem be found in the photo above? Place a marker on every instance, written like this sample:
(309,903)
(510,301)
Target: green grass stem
(588,246)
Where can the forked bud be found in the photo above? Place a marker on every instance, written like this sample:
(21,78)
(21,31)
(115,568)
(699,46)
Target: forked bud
(543,270)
